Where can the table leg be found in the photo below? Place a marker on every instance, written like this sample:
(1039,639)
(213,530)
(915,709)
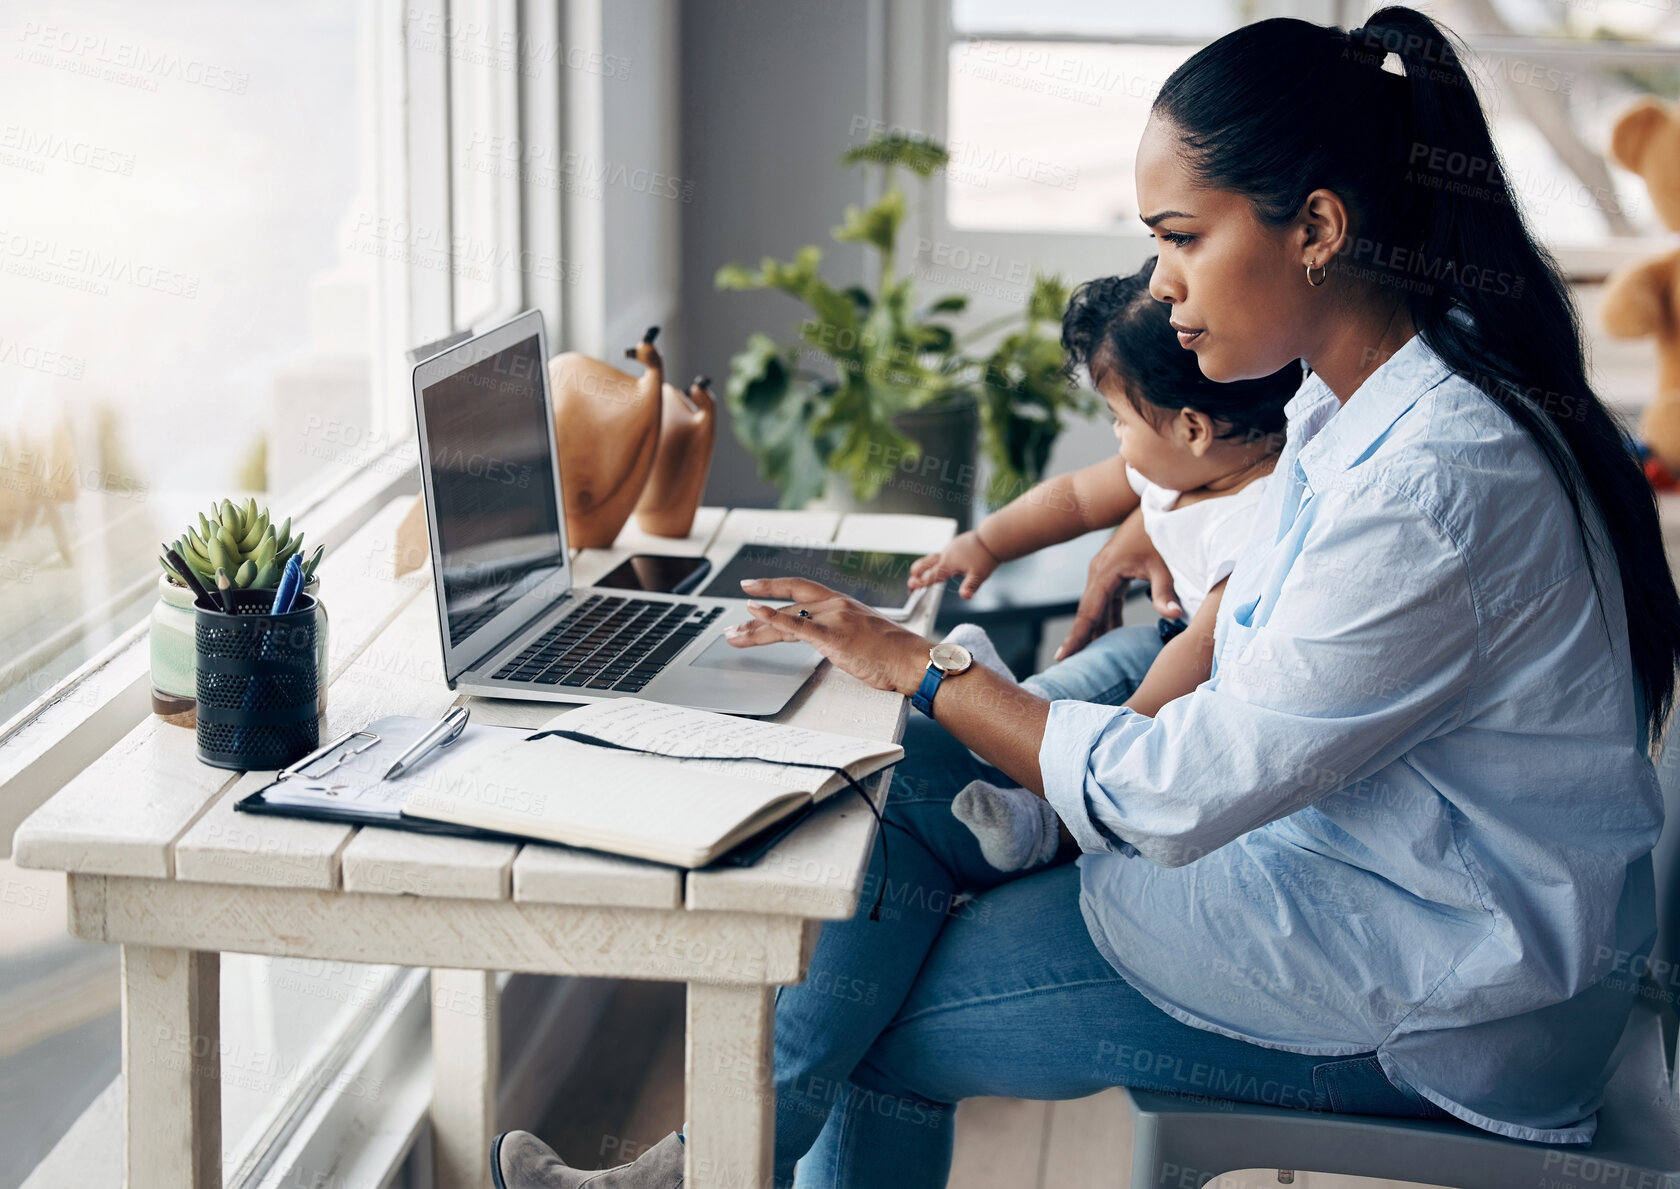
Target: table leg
(466,1060)
(171,1059)
(731,1095)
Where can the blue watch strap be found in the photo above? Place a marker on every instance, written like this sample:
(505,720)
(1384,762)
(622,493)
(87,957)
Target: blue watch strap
(922,699)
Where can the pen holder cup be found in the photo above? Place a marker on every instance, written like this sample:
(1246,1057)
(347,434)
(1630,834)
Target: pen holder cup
(257,682)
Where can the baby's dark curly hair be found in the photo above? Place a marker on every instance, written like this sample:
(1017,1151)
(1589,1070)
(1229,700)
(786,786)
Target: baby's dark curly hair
(1114,328)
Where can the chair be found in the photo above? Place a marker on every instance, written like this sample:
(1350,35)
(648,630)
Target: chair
(1183,1142)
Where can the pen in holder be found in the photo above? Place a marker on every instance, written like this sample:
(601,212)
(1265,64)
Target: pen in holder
(257,682)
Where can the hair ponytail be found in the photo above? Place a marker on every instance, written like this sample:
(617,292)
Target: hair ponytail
(1282,107)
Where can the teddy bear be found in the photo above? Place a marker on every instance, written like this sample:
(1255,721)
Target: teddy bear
(1643,300)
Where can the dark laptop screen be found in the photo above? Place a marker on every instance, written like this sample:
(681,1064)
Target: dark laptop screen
(493,486)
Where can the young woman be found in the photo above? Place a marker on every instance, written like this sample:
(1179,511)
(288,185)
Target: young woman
(1375,862)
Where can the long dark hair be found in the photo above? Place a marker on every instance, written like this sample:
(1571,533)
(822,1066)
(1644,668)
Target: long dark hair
(1114,327)
(1282,107)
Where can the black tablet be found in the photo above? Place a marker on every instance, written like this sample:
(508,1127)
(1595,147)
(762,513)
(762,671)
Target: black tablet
(880,579)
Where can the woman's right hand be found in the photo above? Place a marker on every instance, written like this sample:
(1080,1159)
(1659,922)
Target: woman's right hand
(1129,553)
(965,555)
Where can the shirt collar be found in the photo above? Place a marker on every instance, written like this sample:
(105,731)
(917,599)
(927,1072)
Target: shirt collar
(1375,406)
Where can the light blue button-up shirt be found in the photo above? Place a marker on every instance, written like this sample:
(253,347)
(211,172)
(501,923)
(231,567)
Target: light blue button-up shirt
(1411,810)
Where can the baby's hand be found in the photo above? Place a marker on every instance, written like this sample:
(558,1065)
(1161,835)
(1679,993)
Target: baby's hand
(964,555)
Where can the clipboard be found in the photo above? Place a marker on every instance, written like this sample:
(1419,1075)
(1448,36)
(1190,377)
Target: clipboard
(354,759)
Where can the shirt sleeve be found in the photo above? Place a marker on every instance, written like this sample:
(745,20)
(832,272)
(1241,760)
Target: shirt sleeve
(1357,648)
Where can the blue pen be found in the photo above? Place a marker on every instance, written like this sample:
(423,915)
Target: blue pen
(291,581)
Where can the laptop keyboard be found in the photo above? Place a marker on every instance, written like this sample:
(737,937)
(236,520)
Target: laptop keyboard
(610,643)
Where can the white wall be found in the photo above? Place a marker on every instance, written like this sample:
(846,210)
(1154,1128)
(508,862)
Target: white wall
(620,186)
(644,183)
(769,92)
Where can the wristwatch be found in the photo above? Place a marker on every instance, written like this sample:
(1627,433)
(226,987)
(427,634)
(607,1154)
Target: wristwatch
(944,659)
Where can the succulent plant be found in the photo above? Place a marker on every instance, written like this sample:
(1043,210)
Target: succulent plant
(240,540)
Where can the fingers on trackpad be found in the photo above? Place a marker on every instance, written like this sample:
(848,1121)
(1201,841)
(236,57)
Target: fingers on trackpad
(787,656)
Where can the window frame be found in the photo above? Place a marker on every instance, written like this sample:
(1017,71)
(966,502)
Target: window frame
(928,41)
(87,712)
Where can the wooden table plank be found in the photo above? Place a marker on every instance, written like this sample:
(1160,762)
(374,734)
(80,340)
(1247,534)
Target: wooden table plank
(398,671)
(777,526)
(895,531)
(226,846)
(404,863)
(561,875)
(123,812)
(120,814)
(598,941)
(817,872)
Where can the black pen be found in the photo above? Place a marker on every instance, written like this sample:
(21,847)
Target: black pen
(445,733)
(179,565)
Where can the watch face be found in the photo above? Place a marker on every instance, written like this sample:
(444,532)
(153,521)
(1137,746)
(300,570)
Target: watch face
(952,658)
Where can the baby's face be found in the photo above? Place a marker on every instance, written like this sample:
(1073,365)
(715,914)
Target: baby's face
(1158,454)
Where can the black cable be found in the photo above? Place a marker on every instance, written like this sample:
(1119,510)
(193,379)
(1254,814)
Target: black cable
(886,860)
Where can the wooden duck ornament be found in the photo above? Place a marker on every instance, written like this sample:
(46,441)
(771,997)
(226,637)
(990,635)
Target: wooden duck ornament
(606,425)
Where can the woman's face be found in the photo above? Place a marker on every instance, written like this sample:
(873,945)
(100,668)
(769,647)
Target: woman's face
(1237,284)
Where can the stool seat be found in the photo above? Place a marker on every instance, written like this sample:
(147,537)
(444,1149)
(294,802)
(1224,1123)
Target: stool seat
(1183,1142)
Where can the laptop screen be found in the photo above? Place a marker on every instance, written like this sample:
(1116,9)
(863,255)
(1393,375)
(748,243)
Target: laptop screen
(496,509)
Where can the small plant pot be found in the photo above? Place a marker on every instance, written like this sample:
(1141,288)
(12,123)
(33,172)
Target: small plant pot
(174,672)
(258,683)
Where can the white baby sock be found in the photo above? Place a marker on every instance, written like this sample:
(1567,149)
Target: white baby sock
(974,638)
(1015,829)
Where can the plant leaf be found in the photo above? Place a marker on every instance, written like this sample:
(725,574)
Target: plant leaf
(877,225)
(1049,299)
(772,416)
(919,155)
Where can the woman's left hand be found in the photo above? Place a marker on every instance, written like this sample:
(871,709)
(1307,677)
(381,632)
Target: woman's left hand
(854,637)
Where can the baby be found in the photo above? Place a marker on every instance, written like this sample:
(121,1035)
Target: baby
(1194,454)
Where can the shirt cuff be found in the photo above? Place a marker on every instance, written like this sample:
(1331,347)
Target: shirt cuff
(1070,735)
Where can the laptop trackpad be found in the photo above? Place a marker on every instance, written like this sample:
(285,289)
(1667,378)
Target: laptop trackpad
(786,656)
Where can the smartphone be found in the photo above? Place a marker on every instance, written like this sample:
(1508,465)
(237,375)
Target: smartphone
(657,572)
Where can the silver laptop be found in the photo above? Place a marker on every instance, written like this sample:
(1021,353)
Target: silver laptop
(514,625)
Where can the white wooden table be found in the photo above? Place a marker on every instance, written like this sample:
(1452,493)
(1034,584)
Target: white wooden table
(159,862)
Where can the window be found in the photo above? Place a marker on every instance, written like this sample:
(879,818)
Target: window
(193,292)
(1045,103)
(484,72)
(1042,105)
(224,228)
(1554,78)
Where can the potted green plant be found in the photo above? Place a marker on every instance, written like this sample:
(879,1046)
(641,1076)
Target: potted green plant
(895,387)
(243,542)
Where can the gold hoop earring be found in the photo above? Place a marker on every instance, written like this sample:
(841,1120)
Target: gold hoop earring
(1323,272)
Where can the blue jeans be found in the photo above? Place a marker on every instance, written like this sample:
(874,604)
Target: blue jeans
(1003,994)
(1106,671)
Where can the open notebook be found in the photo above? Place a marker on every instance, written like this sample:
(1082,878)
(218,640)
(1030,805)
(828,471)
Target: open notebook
(670,809)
